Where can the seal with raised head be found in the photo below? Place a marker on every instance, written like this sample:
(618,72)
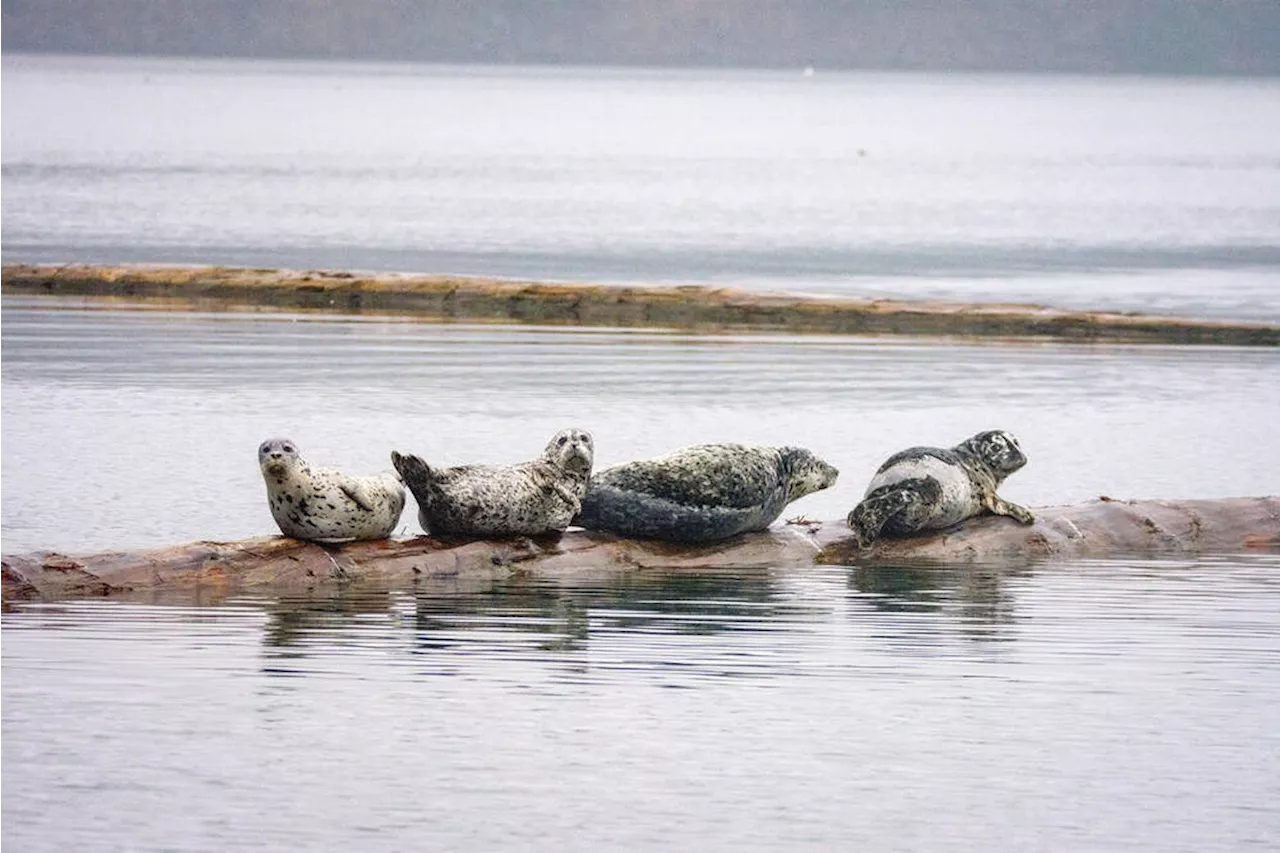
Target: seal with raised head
(528,499)
(703,493)
(932,488)
(323,505)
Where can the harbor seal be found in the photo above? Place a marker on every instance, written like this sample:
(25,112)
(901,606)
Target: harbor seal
(931,488)
(703,493)
(323,505)
(528,499)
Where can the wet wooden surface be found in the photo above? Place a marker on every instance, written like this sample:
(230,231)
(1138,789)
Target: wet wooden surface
(1097,529)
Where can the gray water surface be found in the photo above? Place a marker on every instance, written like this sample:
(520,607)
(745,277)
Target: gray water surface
(1093,706)
(1125,193)
(1079,706)
(133,428)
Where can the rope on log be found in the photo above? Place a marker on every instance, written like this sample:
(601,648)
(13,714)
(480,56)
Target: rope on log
(1102,528)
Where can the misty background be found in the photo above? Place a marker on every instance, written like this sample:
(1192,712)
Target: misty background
(1116,36)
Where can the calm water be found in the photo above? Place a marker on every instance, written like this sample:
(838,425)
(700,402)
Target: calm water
(1092,707)
(1088,706)
(1126,193)
(141,428)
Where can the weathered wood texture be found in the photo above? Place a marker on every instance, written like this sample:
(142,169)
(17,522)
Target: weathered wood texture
(1102,528)
(692,308)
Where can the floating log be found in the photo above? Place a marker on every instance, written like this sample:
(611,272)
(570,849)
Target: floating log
(1102,528)
(685,308)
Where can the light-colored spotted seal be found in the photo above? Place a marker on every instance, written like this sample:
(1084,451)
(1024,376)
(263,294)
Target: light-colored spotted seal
(323,505)
(496,501)
(931,488)
(703,493)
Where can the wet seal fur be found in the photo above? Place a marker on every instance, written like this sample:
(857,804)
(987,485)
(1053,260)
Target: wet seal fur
(497,501)
(323,505)
(932,488)
(703,493)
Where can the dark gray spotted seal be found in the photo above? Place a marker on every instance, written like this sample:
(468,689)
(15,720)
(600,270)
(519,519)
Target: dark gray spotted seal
(323,505)
(528,499)
(702,494)
(931,488)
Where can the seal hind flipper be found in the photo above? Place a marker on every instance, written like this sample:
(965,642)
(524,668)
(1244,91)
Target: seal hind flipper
(415,473)
(898,503)
(642,516)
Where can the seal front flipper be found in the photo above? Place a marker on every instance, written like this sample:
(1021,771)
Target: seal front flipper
(1000,506)
(358,494)
(567,496)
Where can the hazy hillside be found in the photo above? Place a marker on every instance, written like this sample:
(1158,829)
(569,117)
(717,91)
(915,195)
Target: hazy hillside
(1190,36)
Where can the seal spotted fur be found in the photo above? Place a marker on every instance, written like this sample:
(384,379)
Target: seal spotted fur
(323,505)
(703,493)
(527,499)
(931,488)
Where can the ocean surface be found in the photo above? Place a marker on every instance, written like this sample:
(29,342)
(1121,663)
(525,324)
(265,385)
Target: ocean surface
(140,428)
(1147,194)
(1090,705)
(1081,706)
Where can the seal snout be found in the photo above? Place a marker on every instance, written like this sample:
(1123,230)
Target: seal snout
(572,450)
(830,474)
(578,457)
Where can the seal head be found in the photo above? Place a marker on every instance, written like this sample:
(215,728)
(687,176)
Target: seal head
(571,450)
(805,472)
(996,449)
(277,457)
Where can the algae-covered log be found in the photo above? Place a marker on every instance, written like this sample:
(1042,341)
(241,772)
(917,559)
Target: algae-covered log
(1096,529)
(689,308)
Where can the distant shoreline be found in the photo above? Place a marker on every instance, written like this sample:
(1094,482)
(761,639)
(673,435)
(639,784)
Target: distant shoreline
(1122,36)
(681,308)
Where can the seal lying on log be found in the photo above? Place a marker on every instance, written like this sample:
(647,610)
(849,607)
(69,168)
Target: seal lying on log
(528,499)
(933,488)
(703,493)
(324,505)
(1097,529)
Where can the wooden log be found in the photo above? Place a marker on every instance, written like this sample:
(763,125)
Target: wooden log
(689,307)
(1102,528)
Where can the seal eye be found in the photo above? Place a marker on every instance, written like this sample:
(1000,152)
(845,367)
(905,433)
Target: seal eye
(288,448)
(561,441)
